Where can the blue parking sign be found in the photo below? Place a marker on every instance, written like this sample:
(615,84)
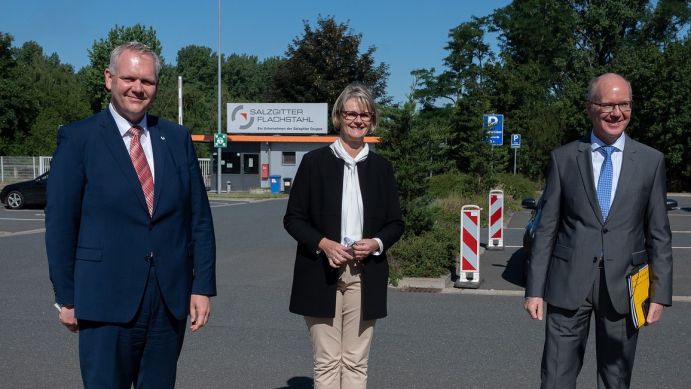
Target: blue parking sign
(494,128)
(515,141)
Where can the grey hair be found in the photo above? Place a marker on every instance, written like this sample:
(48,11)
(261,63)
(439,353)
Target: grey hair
(137,47)
(592,86)
(359,92)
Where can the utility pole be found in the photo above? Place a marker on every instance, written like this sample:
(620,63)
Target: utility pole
(218,150)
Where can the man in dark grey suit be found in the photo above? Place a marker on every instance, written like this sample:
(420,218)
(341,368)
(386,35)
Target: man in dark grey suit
(603,215)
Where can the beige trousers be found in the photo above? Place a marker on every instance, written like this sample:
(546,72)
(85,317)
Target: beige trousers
(341,345)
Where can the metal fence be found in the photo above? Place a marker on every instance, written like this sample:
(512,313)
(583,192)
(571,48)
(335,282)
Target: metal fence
(205,166)
(14,169)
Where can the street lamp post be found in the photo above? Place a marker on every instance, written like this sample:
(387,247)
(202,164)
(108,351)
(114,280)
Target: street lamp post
(218,150)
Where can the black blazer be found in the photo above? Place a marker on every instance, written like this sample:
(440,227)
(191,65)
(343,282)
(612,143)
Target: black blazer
(314,212)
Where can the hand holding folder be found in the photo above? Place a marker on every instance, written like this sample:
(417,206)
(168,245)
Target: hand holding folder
(639,294)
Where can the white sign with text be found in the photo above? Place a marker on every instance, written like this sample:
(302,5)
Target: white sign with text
(277,118)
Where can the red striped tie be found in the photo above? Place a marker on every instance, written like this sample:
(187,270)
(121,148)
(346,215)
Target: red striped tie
(142,167)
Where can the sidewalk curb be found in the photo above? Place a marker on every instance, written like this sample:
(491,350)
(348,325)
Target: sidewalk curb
(424,283)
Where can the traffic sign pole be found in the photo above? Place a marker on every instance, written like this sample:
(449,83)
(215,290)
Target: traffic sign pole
(515,151)
(515,145)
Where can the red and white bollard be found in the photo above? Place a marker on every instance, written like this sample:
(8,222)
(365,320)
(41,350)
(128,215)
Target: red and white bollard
(469,258)
(495,239)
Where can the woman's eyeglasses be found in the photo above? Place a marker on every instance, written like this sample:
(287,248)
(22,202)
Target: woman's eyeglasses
(352,115)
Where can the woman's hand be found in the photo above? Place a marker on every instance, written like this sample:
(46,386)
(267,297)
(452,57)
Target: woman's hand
(363,248)
(336,253)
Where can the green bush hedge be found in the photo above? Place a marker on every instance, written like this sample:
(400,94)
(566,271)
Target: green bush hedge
(431,253)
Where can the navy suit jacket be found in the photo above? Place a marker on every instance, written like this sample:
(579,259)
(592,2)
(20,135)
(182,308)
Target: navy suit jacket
(99,235)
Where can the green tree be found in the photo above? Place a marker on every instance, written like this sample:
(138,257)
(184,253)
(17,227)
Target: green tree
(401,145)
(55,99)
(248,79)
(17,101)
(322,62)
(197,65)
(468,57)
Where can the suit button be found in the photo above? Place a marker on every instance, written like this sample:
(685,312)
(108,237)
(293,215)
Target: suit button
(604,230)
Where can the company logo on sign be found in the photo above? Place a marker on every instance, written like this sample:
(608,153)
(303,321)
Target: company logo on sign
(244,115)
(277,118)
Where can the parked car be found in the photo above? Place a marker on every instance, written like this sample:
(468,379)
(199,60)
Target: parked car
(25,193)
(536,212)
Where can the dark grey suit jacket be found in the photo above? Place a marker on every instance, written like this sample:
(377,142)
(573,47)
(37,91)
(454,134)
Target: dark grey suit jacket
(571,234)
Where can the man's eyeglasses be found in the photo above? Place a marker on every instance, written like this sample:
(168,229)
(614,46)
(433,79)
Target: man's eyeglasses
(352,115)
(623,107)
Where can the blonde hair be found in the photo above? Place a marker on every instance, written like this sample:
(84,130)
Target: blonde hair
(137,47)
(362,95)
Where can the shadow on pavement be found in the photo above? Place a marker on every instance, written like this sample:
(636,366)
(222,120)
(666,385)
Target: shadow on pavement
(299,383)
(515,271)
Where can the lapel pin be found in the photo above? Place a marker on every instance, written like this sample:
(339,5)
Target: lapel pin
(163,138)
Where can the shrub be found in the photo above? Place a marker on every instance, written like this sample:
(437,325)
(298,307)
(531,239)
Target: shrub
(518,187)
(418,215)
(419,256)
(432,227)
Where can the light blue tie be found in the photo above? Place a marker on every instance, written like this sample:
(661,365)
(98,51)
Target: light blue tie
(604,182)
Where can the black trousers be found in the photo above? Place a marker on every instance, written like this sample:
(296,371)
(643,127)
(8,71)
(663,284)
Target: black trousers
(566,335)
(143,352)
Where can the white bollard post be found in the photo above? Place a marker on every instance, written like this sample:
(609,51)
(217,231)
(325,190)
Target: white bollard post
(469,258)
(495,238)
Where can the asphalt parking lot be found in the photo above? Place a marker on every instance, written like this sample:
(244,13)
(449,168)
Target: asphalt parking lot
(429,340)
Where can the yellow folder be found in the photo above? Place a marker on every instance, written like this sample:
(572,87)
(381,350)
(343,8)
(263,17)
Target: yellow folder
(639,294)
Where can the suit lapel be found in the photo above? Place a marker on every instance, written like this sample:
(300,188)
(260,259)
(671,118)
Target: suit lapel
(585,168)
(113,140)
(626,174)
(159,148)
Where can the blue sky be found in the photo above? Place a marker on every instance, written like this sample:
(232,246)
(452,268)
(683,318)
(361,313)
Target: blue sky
(408,35)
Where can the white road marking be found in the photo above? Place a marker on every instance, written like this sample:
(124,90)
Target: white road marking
(220,205)
(28,232)
(521,293)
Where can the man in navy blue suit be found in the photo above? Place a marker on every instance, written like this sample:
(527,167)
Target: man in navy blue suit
(129,234)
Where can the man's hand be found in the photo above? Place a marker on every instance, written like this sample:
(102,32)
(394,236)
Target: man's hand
(67,318)
(363,248)
(654,313)
(534,306)
(200,308)
(336,253)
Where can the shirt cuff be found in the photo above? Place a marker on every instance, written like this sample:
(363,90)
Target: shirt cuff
(381,247)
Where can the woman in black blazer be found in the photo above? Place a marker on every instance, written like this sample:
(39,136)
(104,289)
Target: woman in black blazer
(344,213)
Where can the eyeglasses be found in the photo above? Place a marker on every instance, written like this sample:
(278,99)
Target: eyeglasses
(608,107)
(352,115)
